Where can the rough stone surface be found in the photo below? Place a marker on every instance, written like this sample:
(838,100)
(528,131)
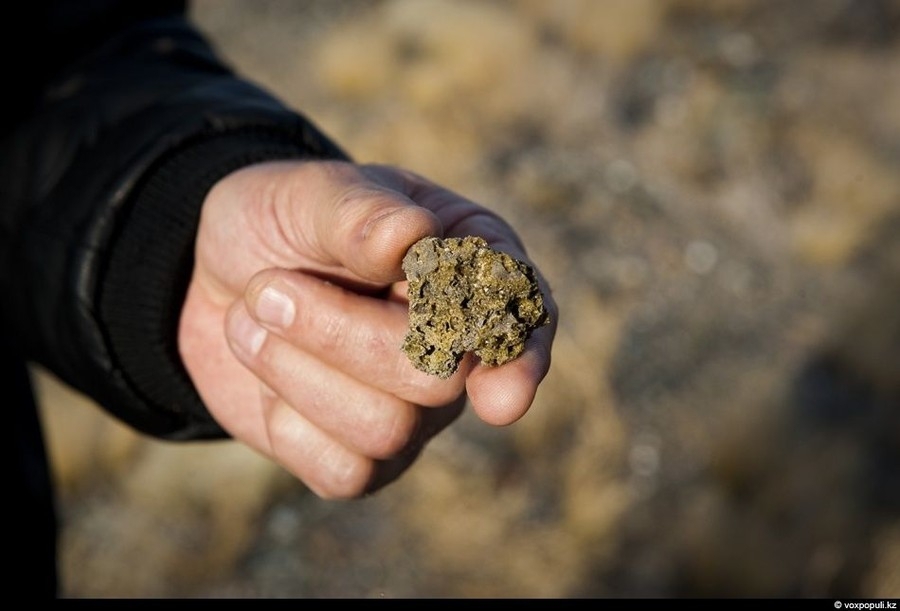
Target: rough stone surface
(467,297)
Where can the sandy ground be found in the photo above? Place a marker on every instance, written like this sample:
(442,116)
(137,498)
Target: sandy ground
(711,189)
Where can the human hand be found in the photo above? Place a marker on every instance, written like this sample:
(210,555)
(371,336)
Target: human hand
(296,311)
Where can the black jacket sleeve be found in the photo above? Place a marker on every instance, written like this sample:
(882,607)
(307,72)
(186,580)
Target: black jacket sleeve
(102,181)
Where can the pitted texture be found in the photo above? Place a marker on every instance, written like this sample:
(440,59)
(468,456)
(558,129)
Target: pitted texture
(467,297)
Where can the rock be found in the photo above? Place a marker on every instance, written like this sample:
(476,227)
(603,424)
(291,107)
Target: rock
(467,297)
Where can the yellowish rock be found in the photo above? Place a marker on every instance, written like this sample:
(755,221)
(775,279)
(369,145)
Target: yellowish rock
(467,297)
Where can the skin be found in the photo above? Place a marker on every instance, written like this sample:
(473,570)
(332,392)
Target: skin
(296,311)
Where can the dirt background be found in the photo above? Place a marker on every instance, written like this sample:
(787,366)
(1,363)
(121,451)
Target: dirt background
(712,189)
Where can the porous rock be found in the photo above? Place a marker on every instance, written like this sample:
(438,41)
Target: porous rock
(467,297)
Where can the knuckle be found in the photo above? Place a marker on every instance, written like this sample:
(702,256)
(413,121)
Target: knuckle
(328,468)
(432,393)
(346,479)
(442,394)
(388,436)
(330,331)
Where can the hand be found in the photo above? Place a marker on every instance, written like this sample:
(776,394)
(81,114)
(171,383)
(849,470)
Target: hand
(296,311)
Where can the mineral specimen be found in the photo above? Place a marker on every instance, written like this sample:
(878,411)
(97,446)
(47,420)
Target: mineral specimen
(467,297)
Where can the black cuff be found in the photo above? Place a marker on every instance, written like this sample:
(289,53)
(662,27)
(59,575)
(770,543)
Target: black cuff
(150,263)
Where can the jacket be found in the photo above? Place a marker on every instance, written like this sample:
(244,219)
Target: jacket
(115,136)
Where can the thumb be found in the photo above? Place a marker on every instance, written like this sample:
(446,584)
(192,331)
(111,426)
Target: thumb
(374,247)
(369,223)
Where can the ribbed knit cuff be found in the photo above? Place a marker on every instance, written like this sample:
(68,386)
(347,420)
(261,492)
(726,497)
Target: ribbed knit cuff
(151,260)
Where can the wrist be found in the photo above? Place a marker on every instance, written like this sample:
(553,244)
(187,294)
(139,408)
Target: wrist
(142,291)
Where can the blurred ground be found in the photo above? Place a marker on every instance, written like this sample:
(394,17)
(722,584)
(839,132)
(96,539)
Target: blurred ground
(712,189)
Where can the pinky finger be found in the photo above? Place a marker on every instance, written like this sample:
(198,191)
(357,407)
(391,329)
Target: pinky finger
(329,469)
(433,421)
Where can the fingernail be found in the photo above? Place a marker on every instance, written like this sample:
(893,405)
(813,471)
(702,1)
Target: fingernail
(275,308)
(246,333)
